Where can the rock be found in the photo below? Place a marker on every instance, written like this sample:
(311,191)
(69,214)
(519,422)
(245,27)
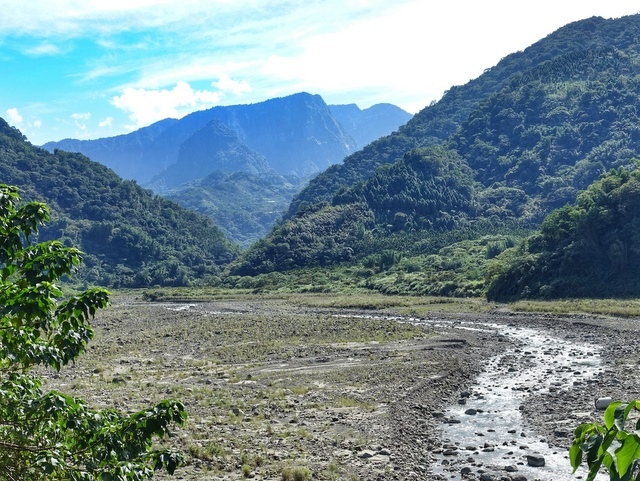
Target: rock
(465,470)
(535,460)
(471,412)
(518,477)
(487,477)
(603,403)
(510,469)
(237,411)
(366,454)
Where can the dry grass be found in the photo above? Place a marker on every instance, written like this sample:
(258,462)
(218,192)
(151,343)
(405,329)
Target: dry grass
(603,307)
(262,379)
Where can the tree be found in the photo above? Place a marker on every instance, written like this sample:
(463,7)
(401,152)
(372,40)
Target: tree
(50,435)
(610,444)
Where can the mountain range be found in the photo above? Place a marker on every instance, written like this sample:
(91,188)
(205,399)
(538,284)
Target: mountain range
(282,142)
(479,169)
(299,134)
(512,145)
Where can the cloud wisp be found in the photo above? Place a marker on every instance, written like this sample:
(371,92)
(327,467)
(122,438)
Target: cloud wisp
(133,62)
(145,106)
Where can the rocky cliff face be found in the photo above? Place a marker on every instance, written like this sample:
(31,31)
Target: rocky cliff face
(297,135)
(213,148)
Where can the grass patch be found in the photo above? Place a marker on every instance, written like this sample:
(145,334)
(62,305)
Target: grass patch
(295,473)
(350,402)
(603,307)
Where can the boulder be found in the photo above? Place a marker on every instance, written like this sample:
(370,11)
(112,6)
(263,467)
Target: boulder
(535,460)
(603,403)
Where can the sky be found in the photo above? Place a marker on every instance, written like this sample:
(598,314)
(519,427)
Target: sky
(89,69)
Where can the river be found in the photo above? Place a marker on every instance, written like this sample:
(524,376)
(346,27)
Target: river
(484,433)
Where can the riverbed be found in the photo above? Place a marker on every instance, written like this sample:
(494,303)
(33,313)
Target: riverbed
(485,432)
(355,394)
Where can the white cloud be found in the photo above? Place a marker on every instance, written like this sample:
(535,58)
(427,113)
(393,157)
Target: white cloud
(80,120)
(108,122)
(43,49)
(227,84)
(147,106)
(14,117)
(81,116)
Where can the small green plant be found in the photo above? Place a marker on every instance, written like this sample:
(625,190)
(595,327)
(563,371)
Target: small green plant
(610,444)
(296,473)
(333,471)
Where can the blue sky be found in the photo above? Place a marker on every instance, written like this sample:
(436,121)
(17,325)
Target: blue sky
(89,69)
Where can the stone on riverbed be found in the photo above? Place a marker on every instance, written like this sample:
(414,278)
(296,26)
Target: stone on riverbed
(603,403)
(535,460)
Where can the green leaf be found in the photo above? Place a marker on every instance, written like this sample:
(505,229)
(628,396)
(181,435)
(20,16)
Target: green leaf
(613,414)
(591,447)
(575,456)
(627,453)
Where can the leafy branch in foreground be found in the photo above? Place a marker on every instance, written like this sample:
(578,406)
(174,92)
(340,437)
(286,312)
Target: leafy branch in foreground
(50,435)
(610,444)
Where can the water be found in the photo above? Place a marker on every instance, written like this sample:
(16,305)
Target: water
(495,437)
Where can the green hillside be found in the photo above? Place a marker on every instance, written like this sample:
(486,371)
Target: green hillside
(439,121)
(130,237)
(244,205)
(588,249)
(514,144)
(430,189)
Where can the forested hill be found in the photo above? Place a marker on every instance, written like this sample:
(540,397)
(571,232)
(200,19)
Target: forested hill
(588,249)
(130,237)
(519,141)
(441,119)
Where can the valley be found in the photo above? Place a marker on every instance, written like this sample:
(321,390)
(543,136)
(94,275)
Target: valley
(330,293)
(335,387)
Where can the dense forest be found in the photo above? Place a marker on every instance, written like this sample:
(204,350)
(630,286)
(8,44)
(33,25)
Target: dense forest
(513,145)
(587,249)
(130,237)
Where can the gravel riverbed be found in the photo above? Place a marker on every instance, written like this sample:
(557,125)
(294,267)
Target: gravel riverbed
(336,394)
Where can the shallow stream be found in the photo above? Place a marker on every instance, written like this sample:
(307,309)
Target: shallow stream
(485,431)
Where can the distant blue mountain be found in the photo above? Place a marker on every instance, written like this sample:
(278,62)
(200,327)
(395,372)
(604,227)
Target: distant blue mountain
(298,135)
(370,124)
(276,145)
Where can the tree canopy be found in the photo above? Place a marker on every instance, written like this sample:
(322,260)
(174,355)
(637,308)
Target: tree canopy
(51,435)
(587,249)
